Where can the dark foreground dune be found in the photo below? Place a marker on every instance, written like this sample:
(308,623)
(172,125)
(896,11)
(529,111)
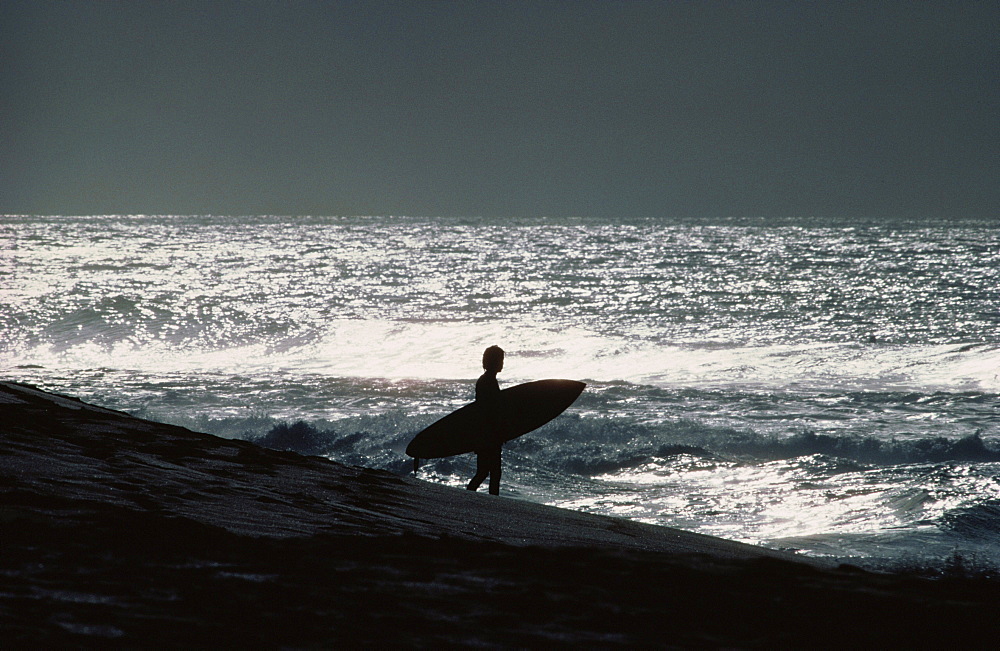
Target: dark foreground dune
(119,532)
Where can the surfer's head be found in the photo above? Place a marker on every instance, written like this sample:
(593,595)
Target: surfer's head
(493,359)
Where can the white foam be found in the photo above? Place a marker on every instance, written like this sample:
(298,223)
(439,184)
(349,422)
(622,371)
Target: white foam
(453,349)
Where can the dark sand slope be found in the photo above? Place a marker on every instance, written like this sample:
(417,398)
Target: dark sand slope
(125,532)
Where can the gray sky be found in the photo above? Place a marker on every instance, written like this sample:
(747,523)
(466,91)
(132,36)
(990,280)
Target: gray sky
(677,109)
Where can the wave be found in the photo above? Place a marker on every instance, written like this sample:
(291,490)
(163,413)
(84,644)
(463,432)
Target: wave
(143,339)
(978,522)
(600,446)
(869,450)
(605,451)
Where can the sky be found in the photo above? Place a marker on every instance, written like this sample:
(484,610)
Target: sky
(501,108)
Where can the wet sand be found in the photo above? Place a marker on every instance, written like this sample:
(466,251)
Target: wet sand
(123,532)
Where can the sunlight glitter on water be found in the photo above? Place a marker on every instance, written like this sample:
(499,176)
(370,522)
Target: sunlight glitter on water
(761,503)
(876,344)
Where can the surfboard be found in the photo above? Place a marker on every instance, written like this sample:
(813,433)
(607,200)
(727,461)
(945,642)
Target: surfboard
(523,408)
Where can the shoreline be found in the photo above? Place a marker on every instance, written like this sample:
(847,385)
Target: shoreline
(117,528)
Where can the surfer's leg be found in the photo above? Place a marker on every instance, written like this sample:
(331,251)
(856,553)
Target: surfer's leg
(494,471)
(495,482)
(416,465)
(477,480)
(482,469)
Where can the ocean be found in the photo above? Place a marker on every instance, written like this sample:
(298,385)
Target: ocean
(825,386)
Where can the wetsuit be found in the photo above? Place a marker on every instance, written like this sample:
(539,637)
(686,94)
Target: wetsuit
(488,455)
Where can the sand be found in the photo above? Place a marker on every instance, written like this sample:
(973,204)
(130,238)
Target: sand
(124,532)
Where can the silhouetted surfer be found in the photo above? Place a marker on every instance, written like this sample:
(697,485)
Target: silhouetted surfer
(488,395)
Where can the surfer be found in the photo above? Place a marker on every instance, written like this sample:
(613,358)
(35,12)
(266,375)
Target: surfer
(488,394)
(495,417)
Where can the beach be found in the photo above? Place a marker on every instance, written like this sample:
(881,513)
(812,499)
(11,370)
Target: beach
(127,532)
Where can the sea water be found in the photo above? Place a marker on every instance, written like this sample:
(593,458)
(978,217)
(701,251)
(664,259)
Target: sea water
(827,386)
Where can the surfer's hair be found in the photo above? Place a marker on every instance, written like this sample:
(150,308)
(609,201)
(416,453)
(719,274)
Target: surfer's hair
(493,359)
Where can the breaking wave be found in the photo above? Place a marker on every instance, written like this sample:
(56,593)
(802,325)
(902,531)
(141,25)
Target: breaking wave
(594,446)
